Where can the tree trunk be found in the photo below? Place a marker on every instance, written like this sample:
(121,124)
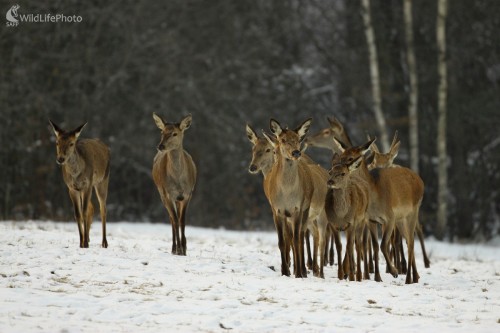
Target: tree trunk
(374,74)
(413,77)
(441,130)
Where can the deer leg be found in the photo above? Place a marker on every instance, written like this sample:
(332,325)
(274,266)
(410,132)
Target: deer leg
(366,245)
(359,255)
(316,249)
(297,239)
(386,239)
(331,255)
(308,245)
(338,246)
(173,221)
(374,236)
(420,235)
(101,191)
(85,197)
(181,208)
(323,245)
(369,249)
(349,268)
(282,244)
(402,256)
(77,207)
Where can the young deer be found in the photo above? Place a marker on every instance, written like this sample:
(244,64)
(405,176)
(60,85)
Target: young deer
(174,174)
(395,198)
(262,161)
(324,139)
(386,160)
(85,165)
(296,192)
(346,205)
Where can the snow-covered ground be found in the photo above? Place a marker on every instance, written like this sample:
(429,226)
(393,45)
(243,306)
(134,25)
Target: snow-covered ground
(225,283)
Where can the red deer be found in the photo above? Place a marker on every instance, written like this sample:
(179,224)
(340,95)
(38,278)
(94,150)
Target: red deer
(395,198)
(346,206)
(262,161)
(386,160)
(296,192)
(85,165)
(174,174)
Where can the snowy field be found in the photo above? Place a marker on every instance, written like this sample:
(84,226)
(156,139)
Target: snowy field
(225,284)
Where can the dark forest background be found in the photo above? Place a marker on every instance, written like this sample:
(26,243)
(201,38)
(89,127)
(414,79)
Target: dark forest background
(229,63)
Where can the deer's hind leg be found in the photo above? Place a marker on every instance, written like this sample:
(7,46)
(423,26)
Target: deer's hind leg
(101,191)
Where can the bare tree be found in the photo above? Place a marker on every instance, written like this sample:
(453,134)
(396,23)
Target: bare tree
(441,130)
(413,77)
(374,73)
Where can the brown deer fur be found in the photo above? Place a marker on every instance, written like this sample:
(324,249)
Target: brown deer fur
(85,165)
(346,206)
(395,198)
(296,193)
(174,174)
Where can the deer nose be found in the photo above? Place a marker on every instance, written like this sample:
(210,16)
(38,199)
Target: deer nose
(161,146)
(252,168)
(60,160)
(330,183)
(296,153)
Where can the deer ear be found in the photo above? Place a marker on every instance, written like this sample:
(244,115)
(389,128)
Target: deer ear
(338,144)
(186,122)
(251,135)
(334,123)
(268,138)
(394,151)
(354,165)
(367,146)
(275,127)
(159,122)
(78,130)
(55,128)
(303,129)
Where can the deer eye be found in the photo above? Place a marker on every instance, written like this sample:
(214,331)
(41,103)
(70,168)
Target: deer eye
(71,144)
(268,150)
(342,174)
(175,134)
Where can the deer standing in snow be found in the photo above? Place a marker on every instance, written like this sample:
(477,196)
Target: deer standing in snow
(174,174)
(395,198)
(85,165)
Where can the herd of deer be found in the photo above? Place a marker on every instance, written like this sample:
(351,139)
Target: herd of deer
(354,196)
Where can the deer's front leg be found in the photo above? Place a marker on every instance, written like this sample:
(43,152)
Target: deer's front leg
(87,220)
(77,208)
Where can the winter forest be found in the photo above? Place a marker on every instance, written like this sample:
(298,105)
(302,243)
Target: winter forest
(377,66)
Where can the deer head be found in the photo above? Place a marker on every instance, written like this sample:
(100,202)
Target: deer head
(340,172)
(172,134)
(262,152)
(351,154)
(65,141)
(386,160)
(289,141)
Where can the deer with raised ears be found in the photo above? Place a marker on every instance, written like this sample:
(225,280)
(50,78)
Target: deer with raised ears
(324,139)
(395,198)
(296,192)
(85,165)
(262,161)
(346,206)
(174,174)
(381,160)
(384,160)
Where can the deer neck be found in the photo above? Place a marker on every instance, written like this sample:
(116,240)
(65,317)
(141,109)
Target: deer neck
(176,158)
(75,164)
(287,171)
(341,201)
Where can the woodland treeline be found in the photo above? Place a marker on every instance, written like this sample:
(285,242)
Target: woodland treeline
(229,63)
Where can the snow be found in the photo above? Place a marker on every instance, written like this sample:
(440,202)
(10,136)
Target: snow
(225,283)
